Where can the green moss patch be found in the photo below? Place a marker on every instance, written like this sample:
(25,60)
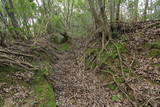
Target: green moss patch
(104,57)
(117,97)
(9,69)
(65,47)
(43,91)
(112,86)
(154,53)
(1,101)
(153,45)
(6,73)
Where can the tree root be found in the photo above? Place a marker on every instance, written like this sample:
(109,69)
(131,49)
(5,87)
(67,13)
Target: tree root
(21,54)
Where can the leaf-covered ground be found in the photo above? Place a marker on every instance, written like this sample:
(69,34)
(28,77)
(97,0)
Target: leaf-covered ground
(80,73)
(124,74)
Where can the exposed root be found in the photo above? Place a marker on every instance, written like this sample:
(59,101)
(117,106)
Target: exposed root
(21,54)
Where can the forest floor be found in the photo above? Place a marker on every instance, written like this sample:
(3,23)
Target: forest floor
(74,85)
(125,73)
(138,85)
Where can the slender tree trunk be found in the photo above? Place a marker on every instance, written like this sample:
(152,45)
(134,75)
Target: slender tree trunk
(94,13)
(45,12)
(118,10)
(68,12)
(102,9)
(136,10)
(112,12)
(100,22)
(112,15)
(151,9)
(8,7)
(145,10)
(37,1)
(3,35)
(3,20)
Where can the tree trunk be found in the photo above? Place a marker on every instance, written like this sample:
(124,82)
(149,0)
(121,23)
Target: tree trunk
(112,12)
(2,35)
(118,10)
(145,10)
(100,22)
(102,9)
(8,7)
(136,10)
(94,13)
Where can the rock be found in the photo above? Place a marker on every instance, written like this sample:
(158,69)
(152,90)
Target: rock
(60,38)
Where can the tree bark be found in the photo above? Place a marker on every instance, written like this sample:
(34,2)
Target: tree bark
(118,10)
(2,34)
(9,9)
(145,10)
(100,22)
(102,9)
(136,10)
(94,13)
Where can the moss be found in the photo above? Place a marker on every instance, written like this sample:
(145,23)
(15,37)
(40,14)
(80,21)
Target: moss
(65,47)
(5,73)
(117,97)
(106,56)
(156,44)
(9,69)
(43,91)
(112,86)
(120,80)
(126,70)
(35,46)
(153,45)
(156,65)
(154,53)
(1,102)
(121,47)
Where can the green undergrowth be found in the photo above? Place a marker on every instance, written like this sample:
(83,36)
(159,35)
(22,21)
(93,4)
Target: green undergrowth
(153,45)
(109,64)
(154,53)
(153,49)
(43,90)
(97,57)
(115,71)
(5,75)
(65,47)
(1,101)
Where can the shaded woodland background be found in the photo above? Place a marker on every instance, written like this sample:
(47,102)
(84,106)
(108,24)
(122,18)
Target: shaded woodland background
(25,19)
